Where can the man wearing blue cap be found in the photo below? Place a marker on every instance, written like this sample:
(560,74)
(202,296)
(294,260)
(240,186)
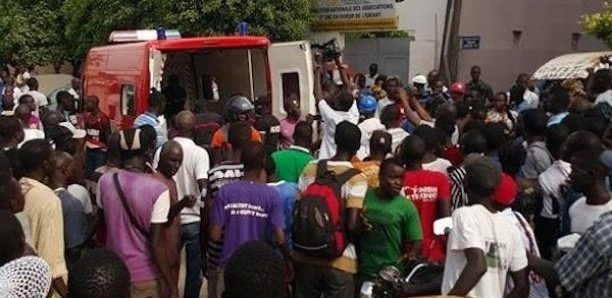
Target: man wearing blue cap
(369,123)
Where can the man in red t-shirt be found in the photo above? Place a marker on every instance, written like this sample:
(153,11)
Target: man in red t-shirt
(430,193)
(97,126)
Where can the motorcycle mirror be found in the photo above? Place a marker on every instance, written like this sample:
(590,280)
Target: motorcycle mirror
(568,242)
(443,226)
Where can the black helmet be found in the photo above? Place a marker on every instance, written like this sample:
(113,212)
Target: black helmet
(238,105)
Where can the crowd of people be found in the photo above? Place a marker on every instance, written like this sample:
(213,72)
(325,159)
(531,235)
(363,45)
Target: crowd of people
(310,206)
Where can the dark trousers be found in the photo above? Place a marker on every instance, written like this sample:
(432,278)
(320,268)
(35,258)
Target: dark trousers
(546,231)
(95,158)
(316,281)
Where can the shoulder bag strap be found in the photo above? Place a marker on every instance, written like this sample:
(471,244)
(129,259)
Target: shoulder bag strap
(321,168)
(347,175)
(525,231)
(126,207)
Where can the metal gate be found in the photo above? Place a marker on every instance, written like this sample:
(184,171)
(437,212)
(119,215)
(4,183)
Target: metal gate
(391,54)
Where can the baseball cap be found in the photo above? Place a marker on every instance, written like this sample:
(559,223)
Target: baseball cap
(483,172)
(76,133)
(419,79)
(506,191)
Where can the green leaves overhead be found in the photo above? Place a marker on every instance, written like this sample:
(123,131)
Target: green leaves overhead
(40,32)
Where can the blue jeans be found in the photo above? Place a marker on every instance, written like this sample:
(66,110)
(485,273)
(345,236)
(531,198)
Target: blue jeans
(190,237)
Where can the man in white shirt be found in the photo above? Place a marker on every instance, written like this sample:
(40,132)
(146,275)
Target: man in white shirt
(333,111)
(550,183)
(371,77)
(483,245)
(367,107)
(39,98)
(432,162)
(75,88)
(602,86)
(190,179)
(588,176)
(391,118)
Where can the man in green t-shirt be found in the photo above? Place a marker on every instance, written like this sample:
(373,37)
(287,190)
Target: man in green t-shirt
(291,162)
(394,223)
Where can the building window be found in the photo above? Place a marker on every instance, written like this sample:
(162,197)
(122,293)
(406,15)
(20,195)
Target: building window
(128,100)
(516,37)
(575,39)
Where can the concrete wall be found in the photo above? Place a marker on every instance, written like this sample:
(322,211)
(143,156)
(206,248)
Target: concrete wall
(547,27)
(424,20)
(391,54)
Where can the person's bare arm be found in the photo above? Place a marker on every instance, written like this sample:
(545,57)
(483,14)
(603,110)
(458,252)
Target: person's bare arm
(159,257)
(444,208)
(175,209)
(475,268)
(204,226)
(543,268)
(404,100)
(521,284)
(353,222)
(281,242)
(416,105)
(413,253)
(346,81)
(214,233)
(60,287)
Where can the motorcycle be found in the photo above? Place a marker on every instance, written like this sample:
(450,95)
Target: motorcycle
(390,282)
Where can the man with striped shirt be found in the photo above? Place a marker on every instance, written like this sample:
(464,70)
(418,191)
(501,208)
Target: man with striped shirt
(157,103)
(471,142)
(230,170)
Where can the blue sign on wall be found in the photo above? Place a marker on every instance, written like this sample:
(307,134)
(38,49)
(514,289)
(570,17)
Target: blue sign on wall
(470,42)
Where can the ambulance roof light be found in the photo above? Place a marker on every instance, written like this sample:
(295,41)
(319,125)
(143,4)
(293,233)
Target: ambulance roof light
(141,35)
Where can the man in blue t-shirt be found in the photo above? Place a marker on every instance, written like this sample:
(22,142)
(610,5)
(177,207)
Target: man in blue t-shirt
(288,192)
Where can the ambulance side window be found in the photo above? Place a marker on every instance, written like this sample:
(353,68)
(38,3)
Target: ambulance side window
(291,84)
(128,100)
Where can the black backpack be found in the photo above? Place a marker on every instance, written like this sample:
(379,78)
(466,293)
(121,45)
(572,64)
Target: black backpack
(318,218)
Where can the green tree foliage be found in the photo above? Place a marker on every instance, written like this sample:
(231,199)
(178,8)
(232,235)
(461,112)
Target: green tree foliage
(89,22)
(31,33)
(600,25)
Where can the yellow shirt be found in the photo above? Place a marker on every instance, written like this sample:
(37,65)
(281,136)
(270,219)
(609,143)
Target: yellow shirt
(43,210)
(370,170)
(353,194)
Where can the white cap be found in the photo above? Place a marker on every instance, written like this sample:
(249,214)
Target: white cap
(419,79)
(76,133)
(25,277)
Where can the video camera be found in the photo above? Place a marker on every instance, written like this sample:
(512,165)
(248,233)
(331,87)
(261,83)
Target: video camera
(330,49)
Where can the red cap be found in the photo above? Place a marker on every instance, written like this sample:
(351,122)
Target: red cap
(506,191)
(458,87)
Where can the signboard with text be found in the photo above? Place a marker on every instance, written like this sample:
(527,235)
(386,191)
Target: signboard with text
(354,15)
(470,42)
